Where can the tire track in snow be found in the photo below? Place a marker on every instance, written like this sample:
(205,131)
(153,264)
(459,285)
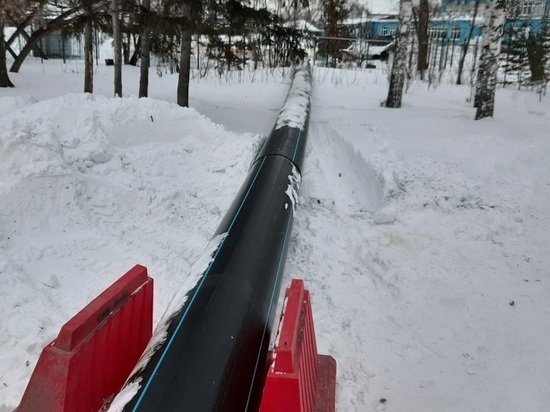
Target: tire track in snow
(340,193)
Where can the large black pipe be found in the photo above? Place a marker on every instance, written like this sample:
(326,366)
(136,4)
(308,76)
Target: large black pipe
(214,354)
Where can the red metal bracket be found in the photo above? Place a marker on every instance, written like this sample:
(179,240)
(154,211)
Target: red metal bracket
(298,379)
(95,351)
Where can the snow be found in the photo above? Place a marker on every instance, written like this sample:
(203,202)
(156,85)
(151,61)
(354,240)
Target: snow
(416,228)
(91,185)
(428,323)
(294,110)
(294,181)
(301,24)
(352,21)
(381,6)
(125,395)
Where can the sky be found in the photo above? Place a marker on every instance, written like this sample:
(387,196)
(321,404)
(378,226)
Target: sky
(386,6)
(381,6)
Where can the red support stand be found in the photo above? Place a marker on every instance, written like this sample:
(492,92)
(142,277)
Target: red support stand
(298,379)
(95,351)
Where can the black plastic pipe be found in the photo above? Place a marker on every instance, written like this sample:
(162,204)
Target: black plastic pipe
(214,355)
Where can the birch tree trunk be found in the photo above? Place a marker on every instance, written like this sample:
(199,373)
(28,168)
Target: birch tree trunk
(399,66)
(185,59)
(145,53)
(488,61)
(88,53)
(4,78)
(117,40)
(546,43)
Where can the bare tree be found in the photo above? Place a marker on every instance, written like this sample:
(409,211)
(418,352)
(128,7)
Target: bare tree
(81,14)
(334,12)
(421,19)
(185,59)
(145,51)
(117,42)
(488,61)
(4,78)
(19,29)
(399,65)
(466,45)
(536,56)
(545,39)
(64,18)
(88,49)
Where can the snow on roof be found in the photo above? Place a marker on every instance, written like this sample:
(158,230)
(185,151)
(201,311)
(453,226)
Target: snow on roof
(355,20)
(383,18)
(450,17)
(302,25)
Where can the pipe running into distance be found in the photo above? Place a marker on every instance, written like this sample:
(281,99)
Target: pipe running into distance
(209,353)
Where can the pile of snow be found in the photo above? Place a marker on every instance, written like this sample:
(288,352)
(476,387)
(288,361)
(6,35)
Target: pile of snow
(423,236)
(90,186)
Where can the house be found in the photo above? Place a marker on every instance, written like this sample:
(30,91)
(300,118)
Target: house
(524,8)
(452,25)
(303,25)
(55,45)
(444,28)
(529,15)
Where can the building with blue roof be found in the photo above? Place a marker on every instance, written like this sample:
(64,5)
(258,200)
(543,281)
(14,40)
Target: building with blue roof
(452,25)
(527,8)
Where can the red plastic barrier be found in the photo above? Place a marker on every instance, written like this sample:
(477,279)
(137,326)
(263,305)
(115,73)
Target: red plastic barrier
(298,379)
(95,351)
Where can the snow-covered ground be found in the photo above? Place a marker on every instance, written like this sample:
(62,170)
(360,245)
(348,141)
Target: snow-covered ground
(422,234)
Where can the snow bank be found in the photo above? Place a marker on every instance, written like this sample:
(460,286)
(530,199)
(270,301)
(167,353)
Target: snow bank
(423,238)
(12,104)
(90,186)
